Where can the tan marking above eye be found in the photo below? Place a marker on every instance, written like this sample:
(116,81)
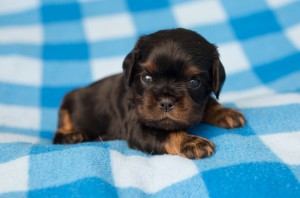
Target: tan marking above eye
(192,70)
(149,66)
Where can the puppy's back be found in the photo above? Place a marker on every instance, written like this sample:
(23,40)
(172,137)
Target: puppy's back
(91,109)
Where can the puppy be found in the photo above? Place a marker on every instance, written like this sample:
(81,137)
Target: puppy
(166,87)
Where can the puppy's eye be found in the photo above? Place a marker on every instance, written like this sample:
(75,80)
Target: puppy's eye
(194,83)
(146,79)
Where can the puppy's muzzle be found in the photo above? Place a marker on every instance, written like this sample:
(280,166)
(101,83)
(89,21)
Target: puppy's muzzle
(166,104)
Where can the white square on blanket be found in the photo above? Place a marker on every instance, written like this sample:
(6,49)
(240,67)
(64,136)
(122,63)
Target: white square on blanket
(29,34)
(150,174)
(13,6)
(104,67)
(21,70)
(278,3)
(109,27)
(293,35)
(20,117)
(14,175)
(285,145)
(233,57)
(199,13)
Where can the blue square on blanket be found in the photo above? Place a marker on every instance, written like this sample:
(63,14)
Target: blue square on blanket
(94,162)
(109,48)
(136,6)
(255,25)
(28,17)
(241,81)
(258,117)
(84,187)
(94,8)
(21,49)
(162,18)
(278,69)
(250,179)
(49,120)
(52,96)
(60,12)
(19,150)
(75,73)
(70,51)
(240,8)
(19,94)
(71,31)
(286,14)
(271,47)
(212,32)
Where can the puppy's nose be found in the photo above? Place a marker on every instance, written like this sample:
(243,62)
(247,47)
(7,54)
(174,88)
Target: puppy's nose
(166,104)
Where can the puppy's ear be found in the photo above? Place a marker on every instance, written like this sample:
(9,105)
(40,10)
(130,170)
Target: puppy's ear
(128,65)
(218,76)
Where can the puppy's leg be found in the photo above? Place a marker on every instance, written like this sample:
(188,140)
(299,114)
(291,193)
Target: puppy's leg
(66,133)
(223,117)
(189,146)
(175,143)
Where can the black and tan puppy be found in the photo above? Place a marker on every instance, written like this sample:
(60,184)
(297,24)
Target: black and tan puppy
(165,89)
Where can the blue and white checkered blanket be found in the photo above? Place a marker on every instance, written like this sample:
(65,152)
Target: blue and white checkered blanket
(50,47)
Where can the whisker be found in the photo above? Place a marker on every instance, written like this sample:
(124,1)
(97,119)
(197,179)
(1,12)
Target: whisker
(100,138)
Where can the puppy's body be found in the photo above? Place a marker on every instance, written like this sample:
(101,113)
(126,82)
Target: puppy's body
(99,110)
(165,89)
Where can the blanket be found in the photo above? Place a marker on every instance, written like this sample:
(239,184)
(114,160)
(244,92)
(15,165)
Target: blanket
(48,48)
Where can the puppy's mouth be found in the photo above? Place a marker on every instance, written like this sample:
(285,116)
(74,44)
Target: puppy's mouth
(167,122)
(168,117)
(167,114)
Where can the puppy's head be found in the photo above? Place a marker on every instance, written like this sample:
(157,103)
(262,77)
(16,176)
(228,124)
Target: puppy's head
(171,74)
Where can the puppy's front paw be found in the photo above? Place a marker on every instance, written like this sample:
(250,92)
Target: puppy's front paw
(197,148)
(229,118)
(224,117)
(188,146)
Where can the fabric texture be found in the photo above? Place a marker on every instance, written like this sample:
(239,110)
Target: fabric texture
(50,47)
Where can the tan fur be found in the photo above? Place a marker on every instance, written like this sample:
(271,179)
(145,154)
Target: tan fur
(149,66)
(218,115)
(176,144)
(172,145)
(65,125)
(192,70)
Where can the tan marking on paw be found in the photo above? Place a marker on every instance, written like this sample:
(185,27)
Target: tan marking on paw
(189,146)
